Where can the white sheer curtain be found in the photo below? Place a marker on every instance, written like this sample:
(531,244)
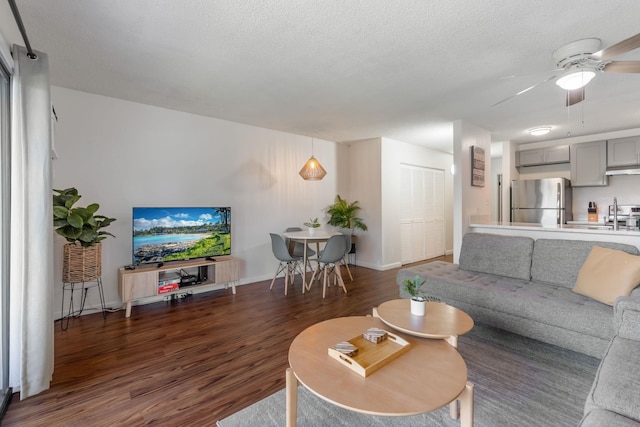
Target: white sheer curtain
(31,265)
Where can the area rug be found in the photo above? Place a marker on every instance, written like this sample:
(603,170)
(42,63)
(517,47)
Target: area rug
(518,382)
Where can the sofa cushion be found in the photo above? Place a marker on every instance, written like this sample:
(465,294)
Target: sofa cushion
(601,417)
(627,317)
(559,261)
(608,274)
(507,256)
(617,378)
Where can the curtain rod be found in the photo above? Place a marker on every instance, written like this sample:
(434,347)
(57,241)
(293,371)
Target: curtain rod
(16,16)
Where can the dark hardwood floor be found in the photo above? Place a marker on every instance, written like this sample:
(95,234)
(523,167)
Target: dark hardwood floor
(190,362)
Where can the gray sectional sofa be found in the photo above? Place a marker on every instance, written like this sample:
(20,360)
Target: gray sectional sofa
(613,399)
(524,286)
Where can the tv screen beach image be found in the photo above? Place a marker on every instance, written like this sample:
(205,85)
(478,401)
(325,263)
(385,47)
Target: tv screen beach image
(170,234)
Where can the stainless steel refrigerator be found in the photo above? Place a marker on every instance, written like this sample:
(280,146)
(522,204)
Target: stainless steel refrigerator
(541,201)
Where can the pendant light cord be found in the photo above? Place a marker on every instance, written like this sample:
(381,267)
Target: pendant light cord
(16,15)
(568,118)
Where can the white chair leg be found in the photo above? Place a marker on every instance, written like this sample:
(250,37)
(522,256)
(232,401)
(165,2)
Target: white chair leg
(324,283)
(346,264)
(300,270)
(339,275)
(274,277)
(286,279)
(278,270)
(313,275)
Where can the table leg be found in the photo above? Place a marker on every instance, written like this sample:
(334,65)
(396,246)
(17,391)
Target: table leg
(453,410)
(453,406)
(304,269)
(291,398)
(466,405)
(453,341)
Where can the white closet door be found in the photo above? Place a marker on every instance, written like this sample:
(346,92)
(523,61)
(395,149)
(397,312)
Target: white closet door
(435,215)
(421,213)
(406,248)
(419,187)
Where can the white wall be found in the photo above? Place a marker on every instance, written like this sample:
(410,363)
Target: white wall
(469,202)
(496,169)
(365,176)
(122,154)
(625,187)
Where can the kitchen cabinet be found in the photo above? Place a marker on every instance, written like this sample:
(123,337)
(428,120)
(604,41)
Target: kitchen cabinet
(589,164)
(623,152)
(543,156)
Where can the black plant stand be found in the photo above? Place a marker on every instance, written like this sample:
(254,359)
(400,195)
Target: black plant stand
(352,253)
(83,287)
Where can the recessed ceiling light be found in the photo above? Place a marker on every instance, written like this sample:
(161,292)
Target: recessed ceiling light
(542,130)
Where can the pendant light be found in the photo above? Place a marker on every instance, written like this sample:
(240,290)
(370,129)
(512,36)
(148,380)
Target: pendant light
(312,170)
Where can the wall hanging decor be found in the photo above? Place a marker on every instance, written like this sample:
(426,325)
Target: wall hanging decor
(477,166)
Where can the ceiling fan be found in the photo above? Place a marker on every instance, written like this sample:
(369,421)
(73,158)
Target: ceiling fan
(579,61)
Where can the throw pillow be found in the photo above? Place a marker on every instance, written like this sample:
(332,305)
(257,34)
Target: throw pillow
(607,274)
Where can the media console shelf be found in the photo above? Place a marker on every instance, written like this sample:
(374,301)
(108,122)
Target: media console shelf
(144,281)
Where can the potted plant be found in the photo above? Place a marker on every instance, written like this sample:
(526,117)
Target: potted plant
(345,215)
(418,301)
(312,225)
(82,229)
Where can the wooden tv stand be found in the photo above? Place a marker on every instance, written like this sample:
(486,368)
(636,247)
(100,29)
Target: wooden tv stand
(143,281)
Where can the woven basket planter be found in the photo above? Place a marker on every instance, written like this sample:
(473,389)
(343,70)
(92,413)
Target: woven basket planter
(81,264)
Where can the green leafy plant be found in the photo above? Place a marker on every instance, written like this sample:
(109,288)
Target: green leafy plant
(313,223)
(413,288)
(78,224)
(345,215)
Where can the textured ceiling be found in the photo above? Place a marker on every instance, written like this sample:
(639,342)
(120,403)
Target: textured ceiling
(339,69)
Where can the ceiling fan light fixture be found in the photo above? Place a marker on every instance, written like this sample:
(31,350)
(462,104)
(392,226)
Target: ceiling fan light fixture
(539,131)
(575,78)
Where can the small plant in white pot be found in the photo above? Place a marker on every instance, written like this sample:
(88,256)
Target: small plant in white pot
(312,225)
(418,300)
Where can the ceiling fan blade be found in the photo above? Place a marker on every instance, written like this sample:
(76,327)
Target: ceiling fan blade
(619,48)
(575,96)
(524,90)
(623,67)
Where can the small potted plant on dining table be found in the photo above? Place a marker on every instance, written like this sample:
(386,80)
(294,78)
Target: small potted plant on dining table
(418,300)
(312,225)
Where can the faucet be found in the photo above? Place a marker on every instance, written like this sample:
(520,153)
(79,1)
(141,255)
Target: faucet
(615,214)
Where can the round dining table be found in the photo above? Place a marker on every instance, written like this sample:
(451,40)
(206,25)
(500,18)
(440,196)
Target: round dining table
(317,236)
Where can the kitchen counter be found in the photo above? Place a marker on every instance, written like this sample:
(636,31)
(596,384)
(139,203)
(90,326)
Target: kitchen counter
(559,231)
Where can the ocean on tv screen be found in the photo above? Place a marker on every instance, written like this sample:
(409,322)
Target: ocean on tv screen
(170,234)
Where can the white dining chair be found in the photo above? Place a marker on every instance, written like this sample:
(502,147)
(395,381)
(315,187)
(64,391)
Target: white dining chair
(288,264)
(329,262)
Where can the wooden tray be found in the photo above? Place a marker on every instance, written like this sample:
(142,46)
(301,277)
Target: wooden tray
(371,357)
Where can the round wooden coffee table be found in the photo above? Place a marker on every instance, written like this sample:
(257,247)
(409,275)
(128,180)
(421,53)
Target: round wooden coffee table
(428,376)
(440,320)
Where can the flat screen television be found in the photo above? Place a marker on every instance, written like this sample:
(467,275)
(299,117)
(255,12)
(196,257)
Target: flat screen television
(176,234)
